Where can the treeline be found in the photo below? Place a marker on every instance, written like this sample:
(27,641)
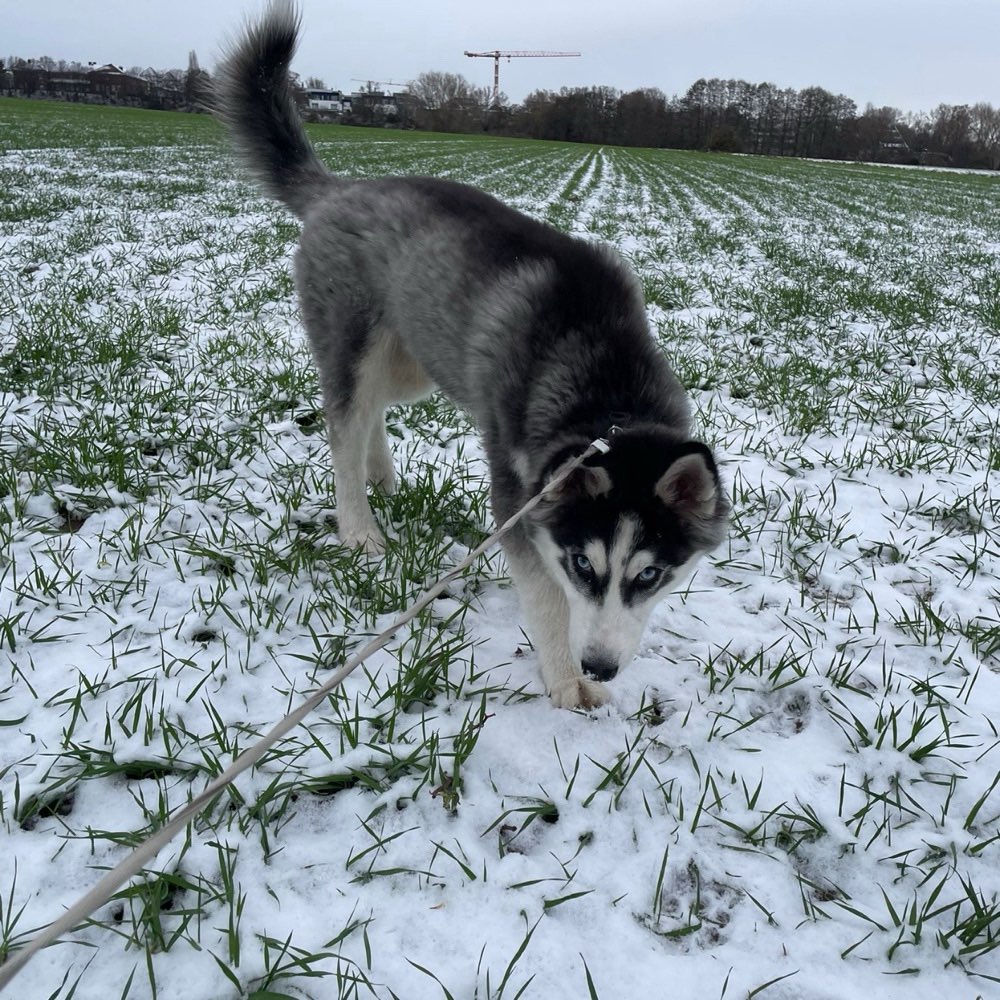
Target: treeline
(733,116)
(714,115)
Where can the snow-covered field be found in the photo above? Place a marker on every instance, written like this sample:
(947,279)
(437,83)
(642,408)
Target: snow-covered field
(795,793)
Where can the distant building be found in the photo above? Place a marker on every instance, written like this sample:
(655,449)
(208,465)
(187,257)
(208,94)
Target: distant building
(69,83)
(112,81)
(327,100)
(375,101)
(108,84)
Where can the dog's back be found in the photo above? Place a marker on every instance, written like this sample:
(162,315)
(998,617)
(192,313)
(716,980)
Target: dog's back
(490,303)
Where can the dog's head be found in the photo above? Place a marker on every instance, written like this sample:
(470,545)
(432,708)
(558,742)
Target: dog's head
(623,529)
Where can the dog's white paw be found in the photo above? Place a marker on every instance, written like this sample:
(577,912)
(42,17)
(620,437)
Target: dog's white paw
(369,540)
(385,483)
(382,477)
(578,692)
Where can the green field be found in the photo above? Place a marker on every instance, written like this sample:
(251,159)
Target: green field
(794,792)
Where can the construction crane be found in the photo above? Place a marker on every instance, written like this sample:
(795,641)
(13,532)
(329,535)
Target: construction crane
(379,83)
(497,54)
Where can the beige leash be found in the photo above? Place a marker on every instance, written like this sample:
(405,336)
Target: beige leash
(149,848)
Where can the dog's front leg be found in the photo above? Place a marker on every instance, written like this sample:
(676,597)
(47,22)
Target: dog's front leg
(547,614)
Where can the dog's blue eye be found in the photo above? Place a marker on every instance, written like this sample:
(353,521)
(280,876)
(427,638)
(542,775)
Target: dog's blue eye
(582,563)
(648,575)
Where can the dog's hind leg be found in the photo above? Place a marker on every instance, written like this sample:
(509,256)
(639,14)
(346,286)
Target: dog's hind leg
(381,472)
(348,345)
(381,372)
(394,377)
(354,416)
(350,439)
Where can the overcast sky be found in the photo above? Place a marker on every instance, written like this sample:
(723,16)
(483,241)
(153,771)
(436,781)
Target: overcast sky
(912,54)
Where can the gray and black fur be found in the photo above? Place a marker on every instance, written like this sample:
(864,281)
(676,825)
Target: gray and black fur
(406,283)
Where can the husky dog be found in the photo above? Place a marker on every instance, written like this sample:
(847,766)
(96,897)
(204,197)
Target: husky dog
(407,283)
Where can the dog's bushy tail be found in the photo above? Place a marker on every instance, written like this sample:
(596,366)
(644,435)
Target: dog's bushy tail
(252,96)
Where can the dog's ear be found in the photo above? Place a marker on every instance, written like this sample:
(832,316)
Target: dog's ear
(584,481)
(690,486)
(591,480)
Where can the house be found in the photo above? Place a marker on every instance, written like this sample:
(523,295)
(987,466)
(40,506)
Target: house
(374,101)
(110,81)
(327,100)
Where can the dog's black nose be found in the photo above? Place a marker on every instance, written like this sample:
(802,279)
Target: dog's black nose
(599,669)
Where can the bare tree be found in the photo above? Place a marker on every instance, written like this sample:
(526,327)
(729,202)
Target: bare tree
(196,82)
(447,102)
(951,131)
(874,127)
(985,125)
(641,118)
